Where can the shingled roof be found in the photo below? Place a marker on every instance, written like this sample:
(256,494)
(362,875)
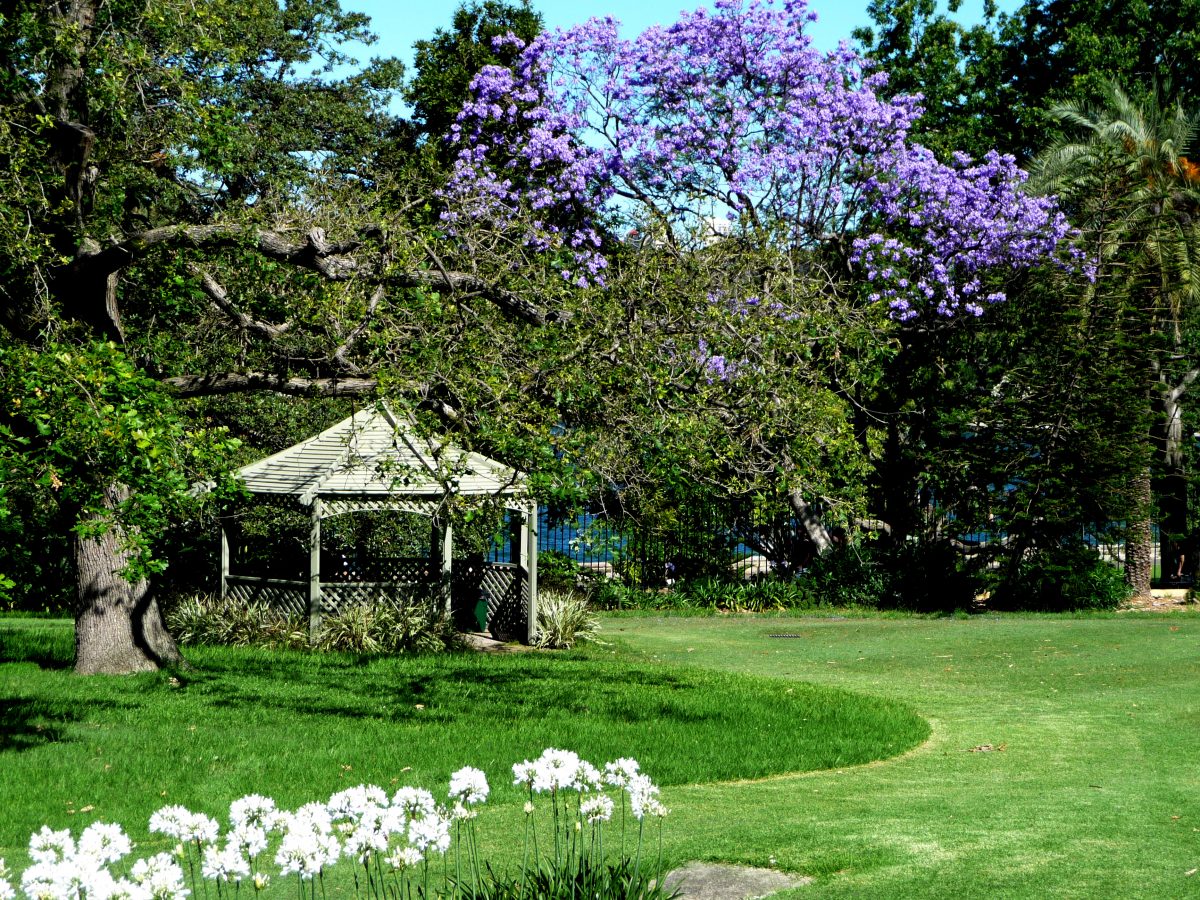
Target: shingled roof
(375,454)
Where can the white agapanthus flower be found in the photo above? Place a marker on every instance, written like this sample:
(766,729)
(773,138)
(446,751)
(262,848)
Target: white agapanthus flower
(253,809)
(171,820)
(226,864)
(161,875)
(469,786)
(47,846)
(415,802)
(249,838)
(7,892)
(50,880)
(555,770)
(313,816)
(372,833)
(430,833)
(643,797)
(598,808)
(404,858)
(104,842)
(123,889)
(261,881)
(353,802)
(587,777)
(619,771)
(523,773)
(201,829)
(306,852)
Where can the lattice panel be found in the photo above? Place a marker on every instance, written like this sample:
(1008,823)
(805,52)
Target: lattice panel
(336,598)
(332,508)
(506,608)
(291,598)
(399,570)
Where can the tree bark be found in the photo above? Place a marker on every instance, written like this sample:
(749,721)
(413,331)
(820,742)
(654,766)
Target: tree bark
(811,522)
(1139,544)
(118,626)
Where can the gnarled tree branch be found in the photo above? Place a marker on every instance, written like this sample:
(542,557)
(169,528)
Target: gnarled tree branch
(220,299)
(245,382)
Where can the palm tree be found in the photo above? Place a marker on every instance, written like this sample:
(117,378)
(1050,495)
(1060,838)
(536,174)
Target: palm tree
(1123,172)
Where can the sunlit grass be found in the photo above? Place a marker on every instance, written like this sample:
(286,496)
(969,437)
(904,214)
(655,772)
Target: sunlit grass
(299,726)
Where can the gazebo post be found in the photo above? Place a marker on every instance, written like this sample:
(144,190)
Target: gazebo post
(314,572)
(531,556)
(224,559)
(447,566)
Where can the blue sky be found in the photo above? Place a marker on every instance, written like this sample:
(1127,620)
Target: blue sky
(400,22)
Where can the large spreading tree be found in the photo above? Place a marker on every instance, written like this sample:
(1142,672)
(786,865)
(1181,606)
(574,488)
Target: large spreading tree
(192,205)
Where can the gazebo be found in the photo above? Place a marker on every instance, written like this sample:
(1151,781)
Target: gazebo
(374,461)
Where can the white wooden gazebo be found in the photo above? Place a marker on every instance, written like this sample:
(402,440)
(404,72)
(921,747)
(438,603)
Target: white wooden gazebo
(374,461)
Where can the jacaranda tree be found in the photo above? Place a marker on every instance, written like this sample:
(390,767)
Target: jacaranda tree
(776,226)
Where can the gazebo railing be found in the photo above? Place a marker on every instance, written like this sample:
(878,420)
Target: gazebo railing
(489,596)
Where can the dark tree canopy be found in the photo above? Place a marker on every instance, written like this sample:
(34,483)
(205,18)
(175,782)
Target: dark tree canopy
(446,63)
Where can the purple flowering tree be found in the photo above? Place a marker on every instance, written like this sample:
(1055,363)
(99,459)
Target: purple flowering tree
(757,217)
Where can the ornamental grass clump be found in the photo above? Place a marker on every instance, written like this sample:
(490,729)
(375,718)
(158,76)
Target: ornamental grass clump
(397,846)
(564,618)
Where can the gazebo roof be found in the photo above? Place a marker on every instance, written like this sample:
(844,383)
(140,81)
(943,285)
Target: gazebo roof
(372,454)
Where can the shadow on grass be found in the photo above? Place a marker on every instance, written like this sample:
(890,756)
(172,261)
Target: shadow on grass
(25,724)
(51,646)
(450,689)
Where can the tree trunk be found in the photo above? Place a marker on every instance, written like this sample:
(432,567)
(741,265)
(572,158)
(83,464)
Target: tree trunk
(118,626)
(1139,544)
(1172,489)
(811,522)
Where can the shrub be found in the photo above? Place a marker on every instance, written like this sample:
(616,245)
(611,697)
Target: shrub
(1068,576)
(613,594)
(557,570)
(563,619)
(398,626)
(229,622)
(849,576)
(928,576)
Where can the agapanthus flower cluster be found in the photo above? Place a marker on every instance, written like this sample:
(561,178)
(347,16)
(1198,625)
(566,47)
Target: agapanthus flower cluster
(731,113)
(556,771)
(362,823)
(66,868)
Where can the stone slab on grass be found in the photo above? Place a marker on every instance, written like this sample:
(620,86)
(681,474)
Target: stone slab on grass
(716,881)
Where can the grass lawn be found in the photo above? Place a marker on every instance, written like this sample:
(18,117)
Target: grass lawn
(1059,758)
(1092,788)
(298,727)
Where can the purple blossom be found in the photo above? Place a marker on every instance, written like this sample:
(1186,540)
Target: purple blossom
(731,113)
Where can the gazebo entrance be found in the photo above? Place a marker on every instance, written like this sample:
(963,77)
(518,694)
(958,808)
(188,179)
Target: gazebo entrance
(372,462)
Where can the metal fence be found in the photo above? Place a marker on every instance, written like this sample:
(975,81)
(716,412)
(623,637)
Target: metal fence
(649,557)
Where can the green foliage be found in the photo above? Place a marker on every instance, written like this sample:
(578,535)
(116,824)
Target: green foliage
(201,619)
(754,595)
(1062,577)
(993,85)
(399,626)
(578,876)
(928,52)
(558,571)
(929,576)
(79,418)
(851,576)
(564,619)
